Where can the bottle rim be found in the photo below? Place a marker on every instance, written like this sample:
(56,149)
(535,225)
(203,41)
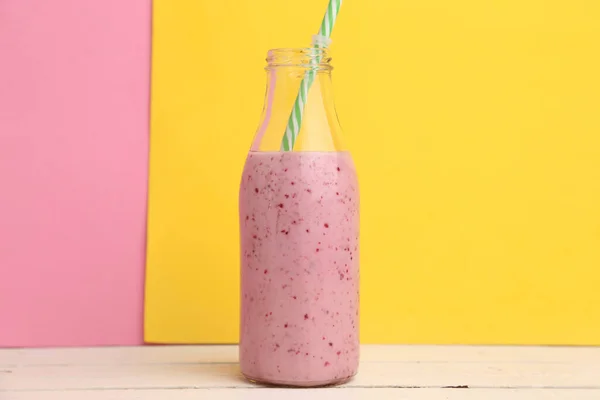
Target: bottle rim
(314,58)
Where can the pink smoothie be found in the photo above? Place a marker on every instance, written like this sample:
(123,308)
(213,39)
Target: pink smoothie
(299,268)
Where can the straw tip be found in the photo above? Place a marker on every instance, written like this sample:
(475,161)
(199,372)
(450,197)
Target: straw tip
(320,41)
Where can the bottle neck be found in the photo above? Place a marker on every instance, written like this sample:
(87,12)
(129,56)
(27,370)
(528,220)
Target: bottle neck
(319,127)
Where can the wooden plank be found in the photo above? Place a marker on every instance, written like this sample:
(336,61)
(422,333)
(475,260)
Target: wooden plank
(314,394)
(369,353)
(204,367)
(481,375)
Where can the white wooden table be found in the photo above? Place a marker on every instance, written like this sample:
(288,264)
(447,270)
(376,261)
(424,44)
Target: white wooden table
(386,372)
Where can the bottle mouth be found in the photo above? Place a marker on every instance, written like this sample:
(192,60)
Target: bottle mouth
(310,57)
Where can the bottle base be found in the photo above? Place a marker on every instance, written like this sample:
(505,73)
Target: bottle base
(285,383)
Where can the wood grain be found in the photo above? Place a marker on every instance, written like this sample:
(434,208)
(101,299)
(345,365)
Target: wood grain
(415,372)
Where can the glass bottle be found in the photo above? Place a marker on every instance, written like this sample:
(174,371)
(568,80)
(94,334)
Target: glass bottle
(299,230)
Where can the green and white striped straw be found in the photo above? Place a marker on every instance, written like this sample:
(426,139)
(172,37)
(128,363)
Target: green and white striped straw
(295,121)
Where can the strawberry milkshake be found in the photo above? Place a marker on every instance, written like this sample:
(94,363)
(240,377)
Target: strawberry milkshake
(299,225)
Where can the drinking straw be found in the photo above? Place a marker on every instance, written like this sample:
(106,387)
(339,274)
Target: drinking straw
(321,40)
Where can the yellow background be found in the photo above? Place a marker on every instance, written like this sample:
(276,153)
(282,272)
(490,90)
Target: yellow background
(475,127)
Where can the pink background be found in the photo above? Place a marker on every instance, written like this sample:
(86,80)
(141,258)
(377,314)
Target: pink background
(74,99)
